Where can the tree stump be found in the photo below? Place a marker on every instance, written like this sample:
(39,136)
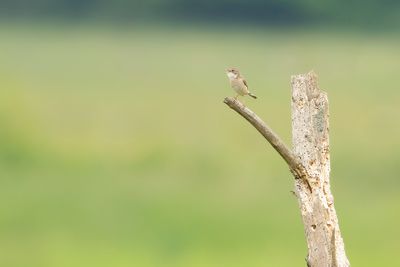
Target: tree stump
(309,162)
(310,137)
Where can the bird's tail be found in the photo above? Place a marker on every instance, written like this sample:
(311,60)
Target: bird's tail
(253,96)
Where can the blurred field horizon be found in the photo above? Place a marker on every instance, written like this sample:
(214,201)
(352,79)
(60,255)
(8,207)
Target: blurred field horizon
(116,148)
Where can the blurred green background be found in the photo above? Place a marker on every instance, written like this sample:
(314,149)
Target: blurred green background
(116,148)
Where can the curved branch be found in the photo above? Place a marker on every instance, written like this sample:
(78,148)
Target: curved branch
(266,131)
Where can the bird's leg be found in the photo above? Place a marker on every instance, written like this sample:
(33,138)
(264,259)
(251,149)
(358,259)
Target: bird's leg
(236,97)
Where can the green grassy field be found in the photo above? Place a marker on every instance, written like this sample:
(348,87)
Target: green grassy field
(116,148)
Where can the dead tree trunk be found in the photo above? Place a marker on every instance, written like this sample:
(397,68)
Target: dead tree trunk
(310,164)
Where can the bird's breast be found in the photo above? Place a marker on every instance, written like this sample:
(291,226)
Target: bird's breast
(239,87)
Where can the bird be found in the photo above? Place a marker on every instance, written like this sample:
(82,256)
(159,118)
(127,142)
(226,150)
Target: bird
(238,83)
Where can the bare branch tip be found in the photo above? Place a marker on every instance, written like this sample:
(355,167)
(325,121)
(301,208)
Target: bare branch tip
(232,102)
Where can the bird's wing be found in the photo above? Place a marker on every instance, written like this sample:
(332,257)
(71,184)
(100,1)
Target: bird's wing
(245,83)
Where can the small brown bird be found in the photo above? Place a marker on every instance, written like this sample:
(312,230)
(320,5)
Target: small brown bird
(238,83)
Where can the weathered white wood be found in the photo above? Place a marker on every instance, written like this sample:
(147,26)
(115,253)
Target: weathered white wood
(310,126)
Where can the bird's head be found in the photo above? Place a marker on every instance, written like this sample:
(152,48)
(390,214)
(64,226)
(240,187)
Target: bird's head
(232,73)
